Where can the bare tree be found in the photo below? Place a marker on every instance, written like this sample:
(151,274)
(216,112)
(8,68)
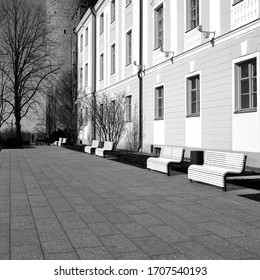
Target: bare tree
(5,110)
(107,113)
(24,41)
(66,113)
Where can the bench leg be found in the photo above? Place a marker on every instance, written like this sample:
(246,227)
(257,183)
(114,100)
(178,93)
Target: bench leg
(191,180)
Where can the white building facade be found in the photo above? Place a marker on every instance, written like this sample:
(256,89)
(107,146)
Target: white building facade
(200,87)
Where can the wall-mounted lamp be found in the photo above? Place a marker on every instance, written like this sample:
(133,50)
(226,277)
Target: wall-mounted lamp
(167,53)
(141,68)
(207,33)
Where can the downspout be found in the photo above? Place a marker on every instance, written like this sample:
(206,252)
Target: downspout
(94,67)
(75,106)
(140,76)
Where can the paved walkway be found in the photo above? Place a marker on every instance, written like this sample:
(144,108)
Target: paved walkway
(60,204)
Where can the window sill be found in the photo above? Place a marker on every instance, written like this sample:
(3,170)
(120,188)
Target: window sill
(191,29)
(158,48)
(193,116)
(158,119)
(127,65)
(237,3)
(246,111)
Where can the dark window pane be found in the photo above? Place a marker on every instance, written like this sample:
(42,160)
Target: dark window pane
(254,100)
(245,86)
(193,108)
(245,101)
(244,70)
(254,84)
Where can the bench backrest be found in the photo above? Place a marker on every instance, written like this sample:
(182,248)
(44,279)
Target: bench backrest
(108,145)
(64,140)
(172,152)
(60,140)
(95,144)
(234,161)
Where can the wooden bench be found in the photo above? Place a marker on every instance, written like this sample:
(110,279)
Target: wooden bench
(60,141)
(168,156)
(108,147)
(63,141)
(217,166)
(92,148)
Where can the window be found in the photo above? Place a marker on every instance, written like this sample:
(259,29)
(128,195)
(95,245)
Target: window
(86,74)
(237,1)
(113,58)
(129,47)
(86,115)
(158,28)
(246,85)
(81,77)
(193,10)
(129,108)
(128,2)
(193,96)
(101,67)
(86,37)
(113,11)
(159,102)
(101,23)
(81,42)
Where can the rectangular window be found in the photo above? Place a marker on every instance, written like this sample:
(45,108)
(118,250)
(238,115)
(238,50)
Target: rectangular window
(86,74)
(193,96)
(101,67)
(81,78)
(128,2)
(193,12)
(113,59)
(129,47)
(101,23)
(86,116)
(159,102)
(81,42)
(113,11)
(129,108)
(158,27)
(246,85)
(86,37)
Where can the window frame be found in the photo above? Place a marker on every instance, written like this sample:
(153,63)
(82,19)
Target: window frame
(189,18)
(81,42)
(86,74)
(86,37)
(113,11)
(157,114)
(129,108)
(128,3)
(101,66)
(113,58)
(81,77)
(189,90)
(157,23)
(250,78)
(101,22)
(129,38)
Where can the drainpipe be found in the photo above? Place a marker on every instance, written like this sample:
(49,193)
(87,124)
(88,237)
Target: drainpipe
(75,78)
(140,76)
(94,67)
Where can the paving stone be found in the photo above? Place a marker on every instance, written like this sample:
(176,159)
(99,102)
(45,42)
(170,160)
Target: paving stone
(47,224)
(43,212)
(251,244)
(118,218)
(81,238)
(152,245)
(94,253)
(133,230)
(139,255)
(22,222)
(4,230)
(224,248)
(24,237)
(26,252)
(62,256)
(5,256)
(93,218)
(103,229)
(4,244)
(118,244)
(146,220)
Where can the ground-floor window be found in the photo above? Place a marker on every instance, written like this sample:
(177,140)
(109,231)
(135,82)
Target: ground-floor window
(246,85)
(129,108)
(193,96)
(159,103)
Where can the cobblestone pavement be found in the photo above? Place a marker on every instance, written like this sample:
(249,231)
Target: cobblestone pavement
(61,204)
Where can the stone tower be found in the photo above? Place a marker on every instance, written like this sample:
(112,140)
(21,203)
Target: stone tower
(59,20)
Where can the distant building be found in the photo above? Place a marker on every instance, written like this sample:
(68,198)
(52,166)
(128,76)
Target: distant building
(200,87)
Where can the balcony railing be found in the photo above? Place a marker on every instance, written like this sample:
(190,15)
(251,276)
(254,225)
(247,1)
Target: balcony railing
(244,12)
(192,39)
